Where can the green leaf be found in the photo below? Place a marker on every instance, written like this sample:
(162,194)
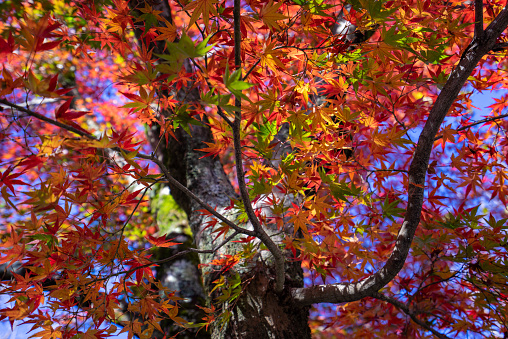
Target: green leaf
(202,48)
(234,84)
(239,85)
(391,210)
(265,132)
(185,47)
(183,119)
(342,190)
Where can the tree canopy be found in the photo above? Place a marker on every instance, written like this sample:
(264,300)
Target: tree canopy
(329,171)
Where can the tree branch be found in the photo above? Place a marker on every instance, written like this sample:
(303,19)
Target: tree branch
(261,234)
(409,312)
(478,19)
(48,120)
(165,171)
(476,123)
(347,292)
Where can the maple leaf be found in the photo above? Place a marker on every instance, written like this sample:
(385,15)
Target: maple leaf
(167,33)
(299,219)
(269,14)
(201,8)
(270,57)
(448,136)
(161,241)
(303,88)
(319,207)
(35,33)
(64,115)
(7,46)
(8,84)
(213,149)
(270,101)
(45,87)
(9,179)
(150,16)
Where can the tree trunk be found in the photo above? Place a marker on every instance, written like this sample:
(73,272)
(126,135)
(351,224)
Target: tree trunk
(258,312)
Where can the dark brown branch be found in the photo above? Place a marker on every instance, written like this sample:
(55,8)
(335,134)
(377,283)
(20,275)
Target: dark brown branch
(48,120)
(347,292)
(258,229)
(478,19)
(500,46)
(237,34)
(401,306)
(251,69)
(476,123)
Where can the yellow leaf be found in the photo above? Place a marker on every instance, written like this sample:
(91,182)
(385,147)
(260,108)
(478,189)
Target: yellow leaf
(62,293)
(50,144)
(303,88)
(269,57)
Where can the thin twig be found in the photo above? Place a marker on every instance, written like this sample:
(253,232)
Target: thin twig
(251,69)
(152,158)
(476,123)
(409,312)
(171,258)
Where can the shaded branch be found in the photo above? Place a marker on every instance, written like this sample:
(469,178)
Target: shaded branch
(347,292)
(48,120)
(401,306)
(499,46)
(478,19)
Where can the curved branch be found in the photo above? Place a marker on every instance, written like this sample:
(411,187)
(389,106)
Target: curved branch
(347,292)
(409,312)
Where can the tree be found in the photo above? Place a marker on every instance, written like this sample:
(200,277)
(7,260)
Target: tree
(286,133)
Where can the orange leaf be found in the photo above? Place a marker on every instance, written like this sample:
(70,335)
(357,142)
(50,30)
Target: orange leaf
(161,241)
(201,7)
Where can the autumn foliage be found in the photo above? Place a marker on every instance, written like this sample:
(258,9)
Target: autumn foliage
(316,128)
